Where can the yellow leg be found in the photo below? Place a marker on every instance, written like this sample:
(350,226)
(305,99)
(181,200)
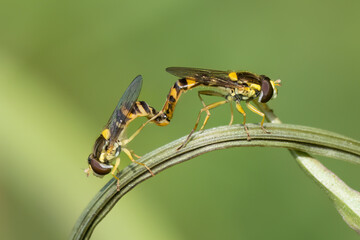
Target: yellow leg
(209,93)
(126,141)
(232,114)
(117,163)
(128,153)
(255,110)
(241,110)
(203,103)
(213,105)
(132,153)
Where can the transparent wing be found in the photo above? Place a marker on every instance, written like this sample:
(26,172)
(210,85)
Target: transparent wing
(119,117)
(205,76)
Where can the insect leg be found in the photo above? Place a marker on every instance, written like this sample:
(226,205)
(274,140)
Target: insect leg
(128,153)
(255,110)
(117,163)
(209,93)
(241,110)
(208,107)
(232,114)
(132,153)
(142,109)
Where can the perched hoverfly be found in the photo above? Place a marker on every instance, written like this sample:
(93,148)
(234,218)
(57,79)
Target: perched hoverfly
(233,86)
(105,156)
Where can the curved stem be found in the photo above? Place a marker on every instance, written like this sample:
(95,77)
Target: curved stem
(294,137)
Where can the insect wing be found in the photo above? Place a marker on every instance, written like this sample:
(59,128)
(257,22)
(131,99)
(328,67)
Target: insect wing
(204,76)
(118,118)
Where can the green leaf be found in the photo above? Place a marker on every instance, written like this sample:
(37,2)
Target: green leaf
(346,200)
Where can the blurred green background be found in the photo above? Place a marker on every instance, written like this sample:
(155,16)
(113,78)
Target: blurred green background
(65,64)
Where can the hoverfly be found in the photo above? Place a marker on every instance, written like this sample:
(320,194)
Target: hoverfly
(233,86)
(105,156)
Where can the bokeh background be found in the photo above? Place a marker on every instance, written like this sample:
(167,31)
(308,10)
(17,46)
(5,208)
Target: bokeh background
(65,64)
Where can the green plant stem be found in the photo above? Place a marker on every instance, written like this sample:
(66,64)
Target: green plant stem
(345,199)
(294,137)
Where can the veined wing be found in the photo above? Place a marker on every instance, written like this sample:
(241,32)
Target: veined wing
(118,119)
(205,76)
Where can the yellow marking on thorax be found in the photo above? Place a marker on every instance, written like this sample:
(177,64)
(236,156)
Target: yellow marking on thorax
(247,92)
(255,86)
(106,133)
(110,152)
(102,157)
(233,76)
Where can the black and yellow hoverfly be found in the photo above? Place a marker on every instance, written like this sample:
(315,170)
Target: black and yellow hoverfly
(233,86)
(105,156)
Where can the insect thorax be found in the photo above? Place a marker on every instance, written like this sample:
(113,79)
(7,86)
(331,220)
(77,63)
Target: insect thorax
(245,93)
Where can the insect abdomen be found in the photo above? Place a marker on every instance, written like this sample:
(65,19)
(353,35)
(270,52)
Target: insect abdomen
(180,86)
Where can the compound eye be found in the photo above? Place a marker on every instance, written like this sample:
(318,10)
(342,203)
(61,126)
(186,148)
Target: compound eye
(266,90)
(99,146)
(99,168)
